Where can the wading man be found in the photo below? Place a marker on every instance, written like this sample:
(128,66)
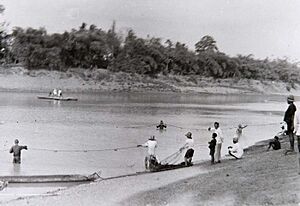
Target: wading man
(16,150)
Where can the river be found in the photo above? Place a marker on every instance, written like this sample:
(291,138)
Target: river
(100,121)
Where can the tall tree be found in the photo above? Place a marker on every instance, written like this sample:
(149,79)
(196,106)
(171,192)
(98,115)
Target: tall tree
(206,44)
(4,37)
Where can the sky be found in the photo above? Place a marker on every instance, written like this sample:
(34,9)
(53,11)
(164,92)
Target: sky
(264,28)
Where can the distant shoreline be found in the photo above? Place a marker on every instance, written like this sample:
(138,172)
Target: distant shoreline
(98,80)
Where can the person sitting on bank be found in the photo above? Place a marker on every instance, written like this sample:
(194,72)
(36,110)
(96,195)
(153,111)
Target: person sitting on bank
(212,147)
(16,150)
(275,144)
(161,125)
(189,147)
(235,150)
(151,157)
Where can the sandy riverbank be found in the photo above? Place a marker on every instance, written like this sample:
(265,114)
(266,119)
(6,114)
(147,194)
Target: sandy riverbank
(260,178)
(98,80)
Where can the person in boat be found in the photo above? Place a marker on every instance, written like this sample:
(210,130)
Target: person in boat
(220,140)
(212,146)
(235,150)
(289,119)
(275,144)
(189,147)
(239,131)
(53,93)
(59,93)
(161,125)
(16,150)
(151,159)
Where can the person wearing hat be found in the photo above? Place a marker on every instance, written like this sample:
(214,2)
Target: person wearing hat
(219,139)
(16,150)
(235,150)
(151,157)
(289,119)
(189,147)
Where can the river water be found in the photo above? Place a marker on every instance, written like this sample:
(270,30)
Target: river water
(106,121)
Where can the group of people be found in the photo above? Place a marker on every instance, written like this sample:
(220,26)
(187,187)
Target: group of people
(56,93)
(151,159)
(291,118)
(215,146)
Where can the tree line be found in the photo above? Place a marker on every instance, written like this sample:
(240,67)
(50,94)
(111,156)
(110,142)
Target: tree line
(91,47)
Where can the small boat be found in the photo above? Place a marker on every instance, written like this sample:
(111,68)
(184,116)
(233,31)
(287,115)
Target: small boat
(58,98)
(50,178)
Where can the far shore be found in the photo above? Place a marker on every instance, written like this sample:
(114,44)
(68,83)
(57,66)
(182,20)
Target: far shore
(18,79)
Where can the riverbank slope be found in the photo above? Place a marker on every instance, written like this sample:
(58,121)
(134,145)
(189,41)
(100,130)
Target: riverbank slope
(98,80)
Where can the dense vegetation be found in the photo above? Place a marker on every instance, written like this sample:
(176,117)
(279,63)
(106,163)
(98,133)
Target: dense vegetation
(91,47)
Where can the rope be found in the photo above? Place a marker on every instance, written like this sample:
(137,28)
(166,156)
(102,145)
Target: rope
(171,157)
(141,126)
(224,128)
(86,150)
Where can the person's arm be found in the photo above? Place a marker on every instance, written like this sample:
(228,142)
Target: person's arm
(143,145)
(183,147)
(24,147)
(11,150)
(297,122)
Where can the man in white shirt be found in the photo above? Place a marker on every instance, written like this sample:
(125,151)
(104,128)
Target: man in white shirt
(297,129)
(220,140)
(235,150)
(151,159)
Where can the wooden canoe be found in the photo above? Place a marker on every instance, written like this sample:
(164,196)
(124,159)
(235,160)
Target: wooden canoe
(58,98)
(49,178)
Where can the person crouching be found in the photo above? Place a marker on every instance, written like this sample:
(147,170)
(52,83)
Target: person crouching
(235,150)
(16,150)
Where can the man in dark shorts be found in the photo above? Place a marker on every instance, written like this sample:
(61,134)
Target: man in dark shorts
(189,147)
(289,119)
(275,144)
(16,150)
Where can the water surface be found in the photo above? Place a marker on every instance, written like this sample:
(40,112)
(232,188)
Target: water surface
(103,120)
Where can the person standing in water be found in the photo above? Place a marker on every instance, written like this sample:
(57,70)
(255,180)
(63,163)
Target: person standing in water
(289,119)
(16,150)
(239,131)
(161,125)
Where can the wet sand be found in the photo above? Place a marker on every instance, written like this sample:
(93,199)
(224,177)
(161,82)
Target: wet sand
(260,178)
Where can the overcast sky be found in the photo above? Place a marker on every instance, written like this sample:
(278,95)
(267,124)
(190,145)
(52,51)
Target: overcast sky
(265,28)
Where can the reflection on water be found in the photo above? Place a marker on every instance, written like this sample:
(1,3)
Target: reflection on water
(103,120)
(16,169)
